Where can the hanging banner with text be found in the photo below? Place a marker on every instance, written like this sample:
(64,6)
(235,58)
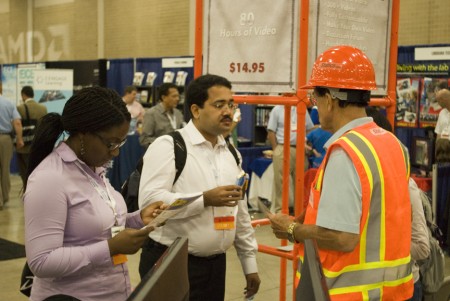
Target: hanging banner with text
(363,24)
(53,87)
(252,43)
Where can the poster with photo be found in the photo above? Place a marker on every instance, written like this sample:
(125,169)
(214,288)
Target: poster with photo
(429,107)
(53,87)
(407,111)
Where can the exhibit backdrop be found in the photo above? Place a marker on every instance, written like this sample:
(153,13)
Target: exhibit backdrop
(252,43)
(255,43)
(53,87)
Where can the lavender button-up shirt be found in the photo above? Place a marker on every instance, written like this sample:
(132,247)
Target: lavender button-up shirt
(67,225)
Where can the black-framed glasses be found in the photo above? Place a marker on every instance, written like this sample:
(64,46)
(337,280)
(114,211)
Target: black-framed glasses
(224,105)
(112,146)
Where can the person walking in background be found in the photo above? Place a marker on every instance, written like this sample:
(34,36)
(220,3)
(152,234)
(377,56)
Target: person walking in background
(164,117)
(30,109)
(275,135)
(136,110)
(359,212)
(76,226)
(219,218)
(10,124)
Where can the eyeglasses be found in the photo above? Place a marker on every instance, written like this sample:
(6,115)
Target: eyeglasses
(110,145)
(224,105)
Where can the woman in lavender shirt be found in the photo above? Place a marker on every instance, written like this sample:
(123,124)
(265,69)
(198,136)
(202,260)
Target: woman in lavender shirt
(76,224)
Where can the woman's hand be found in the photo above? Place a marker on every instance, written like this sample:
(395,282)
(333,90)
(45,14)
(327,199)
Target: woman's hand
(128,241)
(151,211)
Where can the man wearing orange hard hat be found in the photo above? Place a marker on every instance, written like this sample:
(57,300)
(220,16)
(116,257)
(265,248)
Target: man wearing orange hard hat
(359,211)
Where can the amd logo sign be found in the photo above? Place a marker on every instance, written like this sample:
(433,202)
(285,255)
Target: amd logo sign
(36,46)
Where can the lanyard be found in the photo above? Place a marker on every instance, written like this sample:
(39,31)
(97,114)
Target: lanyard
(105,195)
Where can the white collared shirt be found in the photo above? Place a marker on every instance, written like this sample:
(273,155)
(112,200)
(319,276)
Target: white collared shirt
(206,167)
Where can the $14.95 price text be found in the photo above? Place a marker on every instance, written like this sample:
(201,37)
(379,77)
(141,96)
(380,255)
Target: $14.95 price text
(247,67)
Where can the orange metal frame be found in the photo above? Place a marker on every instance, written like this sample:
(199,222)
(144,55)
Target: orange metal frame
(300,100)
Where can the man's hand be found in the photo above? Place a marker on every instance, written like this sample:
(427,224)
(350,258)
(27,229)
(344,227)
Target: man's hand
(280,223)
(253,282)
(151,211)
(223,196)
(19,143)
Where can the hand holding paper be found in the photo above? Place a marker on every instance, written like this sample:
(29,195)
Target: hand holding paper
(151,211)
(169,211)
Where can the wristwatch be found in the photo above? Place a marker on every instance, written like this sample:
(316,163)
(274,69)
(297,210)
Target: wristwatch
(290,232)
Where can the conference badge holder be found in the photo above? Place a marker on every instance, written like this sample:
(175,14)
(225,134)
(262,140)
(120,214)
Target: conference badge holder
(118,258)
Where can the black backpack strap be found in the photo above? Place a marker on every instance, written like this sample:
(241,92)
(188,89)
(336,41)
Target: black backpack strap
(180,152)
(233,151)
(26,111)
(130,188)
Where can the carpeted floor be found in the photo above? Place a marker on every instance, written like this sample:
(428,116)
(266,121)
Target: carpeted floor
(11,250)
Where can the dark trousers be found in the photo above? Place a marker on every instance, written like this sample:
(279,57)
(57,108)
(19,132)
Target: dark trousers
(206,274)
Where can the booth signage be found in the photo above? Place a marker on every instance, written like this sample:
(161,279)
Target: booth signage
(9,82)
(252,43)
(182,62)
(364,24)
(432,53)
(53,87)
(25,77)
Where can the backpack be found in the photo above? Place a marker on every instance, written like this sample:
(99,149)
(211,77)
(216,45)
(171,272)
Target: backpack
(130,188)
(432,269)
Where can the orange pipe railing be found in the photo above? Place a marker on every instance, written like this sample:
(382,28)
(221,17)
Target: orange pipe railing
(300,101)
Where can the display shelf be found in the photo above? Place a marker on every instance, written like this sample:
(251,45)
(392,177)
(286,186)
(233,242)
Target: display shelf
(261,113)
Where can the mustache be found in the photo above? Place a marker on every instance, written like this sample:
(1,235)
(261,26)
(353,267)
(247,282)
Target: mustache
(226,118)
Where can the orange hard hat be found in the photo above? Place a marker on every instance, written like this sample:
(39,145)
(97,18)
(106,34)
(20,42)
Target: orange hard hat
(342,67)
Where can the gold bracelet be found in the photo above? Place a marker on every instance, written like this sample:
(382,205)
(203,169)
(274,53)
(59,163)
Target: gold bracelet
(290,232)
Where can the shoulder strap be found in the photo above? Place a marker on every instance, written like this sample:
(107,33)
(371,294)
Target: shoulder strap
(180,152)
(233,151)
(179,148)
(26,111)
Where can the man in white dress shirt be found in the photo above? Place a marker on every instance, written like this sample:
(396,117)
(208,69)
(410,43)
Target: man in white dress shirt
(219,218)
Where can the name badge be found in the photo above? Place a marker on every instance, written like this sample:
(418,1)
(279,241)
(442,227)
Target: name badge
(224,223)
(224,218)
(118,258)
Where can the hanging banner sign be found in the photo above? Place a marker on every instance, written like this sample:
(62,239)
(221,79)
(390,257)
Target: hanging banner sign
(363,24)
(252,43)
(53,87)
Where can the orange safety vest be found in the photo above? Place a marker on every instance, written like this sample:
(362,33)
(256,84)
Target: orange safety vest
(379,268)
